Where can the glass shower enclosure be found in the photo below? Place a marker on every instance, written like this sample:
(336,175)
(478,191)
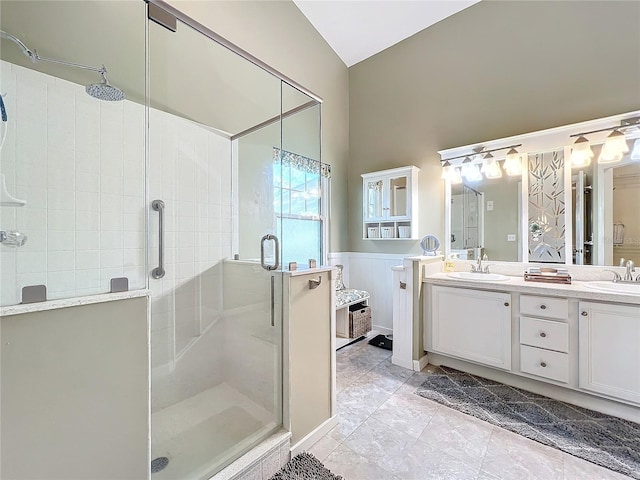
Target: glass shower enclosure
(217,126)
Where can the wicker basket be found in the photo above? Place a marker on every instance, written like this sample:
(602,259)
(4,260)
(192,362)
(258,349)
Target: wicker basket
(359,322)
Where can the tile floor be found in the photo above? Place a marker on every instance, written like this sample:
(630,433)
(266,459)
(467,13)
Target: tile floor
(387,432)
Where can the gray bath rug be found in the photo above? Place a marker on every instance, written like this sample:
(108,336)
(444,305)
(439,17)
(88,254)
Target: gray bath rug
(598,438)
(305,466)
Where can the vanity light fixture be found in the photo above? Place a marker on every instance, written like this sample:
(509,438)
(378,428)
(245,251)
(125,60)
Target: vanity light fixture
(470,169)
(581,153)
(512,163)
(614,147)
(490,167)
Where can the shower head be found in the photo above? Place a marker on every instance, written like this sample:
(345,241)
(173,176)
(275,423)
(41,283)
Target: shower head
(104,90)
(101,91)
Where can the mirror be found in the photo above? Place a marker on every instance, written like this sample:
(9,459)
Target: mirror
(398,199)
(430,245)
(485,219)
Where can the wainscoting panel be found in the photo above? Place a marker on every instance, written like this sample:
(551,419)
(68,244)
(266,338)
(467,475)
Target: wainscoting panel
(371,272)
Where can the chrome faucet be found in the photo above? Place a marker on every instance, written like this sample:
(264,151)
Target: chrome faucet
(616,276)
(630,268)
(478,268)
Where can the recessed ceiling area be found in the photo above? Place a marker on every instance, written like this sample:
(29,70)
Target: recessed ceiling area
(357,30)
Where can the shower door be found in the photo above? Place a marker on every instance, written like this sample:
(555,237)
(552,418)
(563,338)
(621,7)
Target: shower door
(216,327)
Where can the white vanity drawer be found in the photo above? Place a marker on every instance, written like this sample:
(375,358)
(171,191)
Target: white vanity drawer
(544,333)
(544,363)
(544,306)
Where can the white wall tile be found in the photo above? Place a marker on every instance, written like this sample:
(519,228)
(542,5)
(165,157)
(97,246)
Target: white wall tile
(87,240)
(61,220)
(58,282)
(61,240)
(87,259)
(60,260)
(86,279)
(31,262)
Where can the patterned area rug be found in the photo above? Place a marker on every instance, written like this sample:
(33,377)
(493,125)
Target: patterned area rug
(305,466)
(598,438)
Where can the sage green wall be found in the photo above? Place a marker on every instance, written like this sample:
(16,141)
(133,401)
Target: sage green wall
(280,35)
(493,70)
(75,385)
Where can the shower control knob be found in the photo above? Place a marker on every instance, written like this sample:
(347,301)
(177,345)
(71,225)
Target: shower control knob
(542,334)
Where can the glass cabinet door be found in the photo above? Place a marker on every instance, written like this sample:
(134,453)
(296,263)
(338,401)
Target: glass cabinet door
(374,198)
(398,196)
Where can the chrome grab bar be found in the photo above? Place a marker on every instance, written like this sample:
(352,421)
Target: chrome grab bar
(276,265)
(158,272)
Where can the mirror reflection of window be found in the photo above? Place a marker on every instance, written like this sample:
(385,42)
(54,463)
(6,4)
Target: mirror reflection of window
(374,199)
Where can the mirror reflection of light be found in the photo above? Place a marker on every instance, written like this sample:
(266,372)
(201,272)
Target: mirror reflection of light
(635,153)
(614,148)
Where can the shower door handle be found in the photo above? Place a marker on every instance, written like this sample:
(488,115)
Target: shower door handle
(277,251)
(158,272)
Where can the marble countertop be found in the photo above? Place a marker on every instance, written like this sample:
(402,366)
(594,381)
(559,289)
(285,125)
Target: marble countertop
(577,289)
(71,302)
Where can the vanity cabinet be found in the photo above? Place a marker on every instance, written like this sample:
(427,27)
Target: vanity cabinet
(471,324)
(390,204)
(609,351)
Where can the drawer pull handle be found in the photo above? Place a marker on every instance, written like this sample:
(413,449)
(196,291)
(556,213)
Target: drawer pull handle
(543,364)
(542,334)
(584,314)
(506,304)
(543,307)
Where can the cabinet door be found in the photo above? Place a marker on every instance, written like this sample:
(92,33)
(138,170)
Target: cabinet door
(472,324)
(609,346)
(399,197)
(374,205)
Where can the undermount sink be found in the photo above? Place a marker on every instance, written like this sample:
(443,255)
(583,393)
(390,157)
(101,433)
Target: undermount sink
(617,287)
(479,277)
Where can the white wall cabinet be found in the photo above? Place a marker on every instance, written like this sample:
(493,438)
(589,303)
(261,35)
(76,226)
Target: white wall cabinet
(473,325)
(390,204)
(609,350)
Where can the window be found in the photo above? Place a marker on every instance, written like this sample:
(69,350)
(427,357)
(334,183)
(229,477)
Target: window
(301,203)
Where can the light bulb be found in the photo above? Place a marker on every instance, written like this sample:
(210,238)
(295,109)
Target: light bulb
(581,153)
(454,176)
(512,163)
(614,148)
(471,172)
(490,167)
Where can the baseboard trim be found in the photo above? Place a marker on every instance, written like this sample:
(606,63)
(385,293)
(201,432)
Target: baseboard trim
(402,363)
(418,365)
(382,330)
(307,442)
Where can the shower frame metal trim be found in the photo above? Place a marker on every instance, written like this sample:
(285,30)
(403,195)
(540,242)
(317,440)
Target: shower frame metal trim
(230,46)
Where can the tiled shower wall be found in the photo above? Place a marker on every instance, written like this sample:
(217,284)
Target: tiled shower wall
(190,170)
(79,164)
